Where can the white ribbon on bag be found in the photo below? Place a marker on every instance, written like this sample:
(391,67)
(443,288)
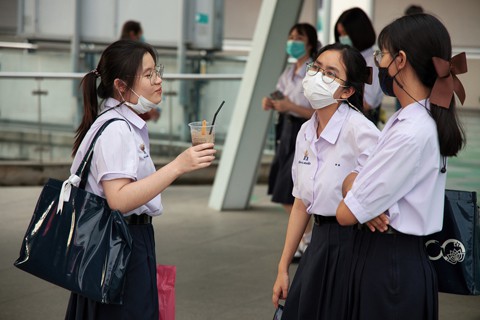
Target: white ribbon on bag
(66,190)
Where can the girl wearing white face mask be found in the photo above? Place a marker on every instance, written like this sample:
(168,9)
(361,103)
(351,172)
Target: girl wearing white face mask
(330,145)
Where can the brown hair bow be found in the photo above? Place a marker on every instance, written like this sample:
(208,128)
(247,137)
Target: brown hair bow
(447,81)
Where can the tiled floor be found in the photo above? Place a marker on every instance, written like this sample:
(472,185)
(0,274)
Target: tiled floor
(226,261)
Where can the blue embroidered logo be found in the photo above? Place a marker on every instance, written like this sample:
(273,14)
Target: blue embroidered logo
(305,159)
(305,155)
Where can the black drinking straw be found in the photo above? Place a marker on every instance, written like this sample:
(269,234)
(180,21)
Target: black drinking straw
(215,116)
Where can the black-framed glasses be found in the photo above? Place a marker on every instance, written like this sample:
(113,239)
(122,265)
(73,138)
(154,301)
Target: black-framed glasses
(378,56)
(327,76)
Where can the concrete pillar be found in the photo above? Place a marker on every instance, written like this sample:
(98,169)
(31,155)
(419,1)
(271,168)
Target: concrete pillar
(237,171)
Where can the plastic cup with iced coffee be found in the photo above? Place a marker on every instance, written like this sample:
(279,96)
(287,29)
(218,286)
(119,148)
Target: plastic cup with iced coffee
(202,132)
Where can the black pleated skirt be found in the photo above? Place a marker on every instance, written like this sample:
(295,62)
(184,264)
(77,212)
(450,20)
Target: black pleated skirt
(392,278)
(140,299)
(320,286)
(280,183)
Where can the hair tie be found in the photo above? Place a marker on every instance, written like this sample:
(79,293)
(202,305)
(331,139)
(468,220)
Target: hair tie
(447,81)
(369,75)
(95,73)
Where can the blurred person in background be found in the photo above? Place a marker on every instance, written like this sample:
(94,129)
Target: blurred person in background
(413,9)
(293,109)
(354,28)
(132,30)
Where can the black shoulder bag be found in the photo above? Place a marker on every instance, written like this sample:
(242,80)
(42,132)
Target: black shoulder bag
(455,251)
(75,240)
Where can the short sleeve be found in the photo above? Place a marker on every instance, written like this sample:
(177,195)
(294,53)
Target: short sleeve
(295,191)
(386,177)
(366,138)
(115,153)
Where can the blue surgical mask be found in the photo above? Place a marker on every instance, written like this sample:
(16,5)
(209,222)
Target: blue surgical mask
(296,49)
(345,40)
(142,38)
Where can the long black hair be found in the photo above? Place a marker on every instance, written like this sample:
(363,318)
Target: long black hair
(356,69)
(421,37)
(120,60)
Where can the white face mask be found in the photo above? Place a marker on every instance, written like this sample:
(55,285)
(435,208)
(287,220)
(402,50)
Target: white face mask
(143,105)
(319,93)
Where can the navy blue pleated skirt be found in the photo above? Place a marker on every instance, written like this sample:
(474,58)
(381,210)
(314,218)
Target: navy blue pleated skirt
(320,286)
(140,299)
(392,278)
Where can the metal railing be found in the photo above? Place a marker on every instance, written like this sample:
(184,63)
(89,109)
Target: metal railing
(39,92)
(79,75)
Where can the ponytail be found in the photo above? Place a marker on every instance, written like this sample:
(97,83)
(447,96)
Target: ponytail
(451,136)
(90,108)
(446,87)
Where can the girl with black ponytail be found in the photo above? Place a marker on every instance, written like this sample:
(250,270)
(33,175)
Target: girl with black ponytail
(122,171)
(397,197)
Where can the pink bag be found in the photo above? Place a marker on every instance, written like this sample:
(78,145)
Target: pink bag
(166,291)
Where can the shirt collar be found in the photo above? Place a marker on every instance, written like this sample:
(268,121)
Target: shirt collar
(124,111)
(413,110)
(333,128)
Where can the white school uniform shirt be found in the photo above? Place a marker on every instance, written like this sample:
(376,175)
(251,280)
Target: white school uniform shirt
(121,151)
(290,84)
(321,164)
(404,168)
(373,93)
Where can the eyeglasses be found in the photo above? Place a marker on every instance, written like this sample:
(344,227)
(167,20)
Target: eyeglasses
(154,74)
(378,56)
(327,76)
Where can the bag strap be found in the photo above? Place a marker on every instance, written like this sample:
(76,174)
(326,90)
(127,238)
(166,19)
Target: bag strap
(84,167)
